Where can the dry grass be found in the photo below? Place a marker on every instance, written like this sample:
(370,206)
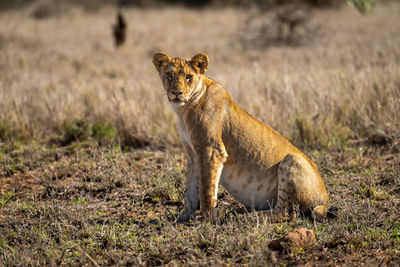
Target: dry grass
(70,103)
(343,85)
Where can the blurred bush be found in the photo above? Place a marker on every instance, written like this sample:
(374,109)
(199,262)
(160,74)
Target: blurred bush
(104,133)
(91,5)
(9,4)
(51,5)
(286,24)
(80,130)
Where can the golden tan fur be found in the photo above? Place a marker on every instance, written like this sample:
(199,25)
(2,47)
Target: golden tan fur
(223,143)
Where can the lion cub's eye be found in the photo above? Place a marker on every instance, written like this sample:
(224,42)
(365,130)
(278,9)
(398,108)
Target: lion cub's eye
(169,76)
(189,77)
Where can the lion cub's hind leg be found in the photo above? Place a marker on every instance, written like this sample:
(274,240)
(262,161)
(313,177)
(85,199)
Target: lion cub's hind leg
(284,209)
(299,184)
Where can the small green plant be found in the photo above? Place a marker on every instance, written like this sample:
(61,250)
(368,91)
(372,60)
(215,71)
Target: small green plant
(80,201)
(76,130)
(396,234)
(363,6)
(5,198)
(104,132)
(81,130)
(4,132)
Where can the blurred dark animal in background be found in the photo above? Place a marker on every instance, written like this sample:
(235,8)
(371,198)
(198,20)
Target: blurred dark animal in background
(119,30)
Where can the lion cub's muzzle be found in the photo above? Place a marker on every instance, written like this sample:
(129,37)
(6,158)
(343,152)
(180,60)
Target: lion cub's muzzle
(177,96)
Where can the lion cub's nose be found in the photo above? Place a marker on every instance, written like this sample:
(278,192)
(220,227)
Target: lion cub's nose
(177,93)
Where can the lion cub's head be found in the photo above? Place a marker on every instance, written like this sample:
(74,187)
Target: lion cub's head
(180,77)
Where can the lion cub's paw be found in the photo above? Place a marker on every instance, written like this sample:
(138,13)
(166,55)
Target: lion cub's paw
(184,217)
(209,215)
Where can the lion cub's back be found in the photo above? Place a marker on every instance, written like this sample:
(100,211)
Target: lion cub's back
(249,141)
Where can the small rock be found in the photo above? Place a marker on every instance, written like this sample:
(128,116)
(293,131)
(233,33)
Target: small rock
(298,238)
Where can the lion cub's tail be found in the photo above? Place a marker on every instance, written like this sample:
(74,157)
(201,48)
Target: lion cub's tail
(323,211)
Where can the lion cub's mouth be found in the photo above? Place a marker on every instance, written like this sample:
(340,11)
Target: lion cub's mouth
(176,100)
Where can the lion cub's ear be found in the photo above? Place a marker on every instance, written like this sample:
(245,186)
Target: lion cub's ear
(160,59)
(199,63)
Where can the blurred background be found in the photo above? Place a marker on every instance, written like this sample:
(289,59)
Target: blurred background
(325,73)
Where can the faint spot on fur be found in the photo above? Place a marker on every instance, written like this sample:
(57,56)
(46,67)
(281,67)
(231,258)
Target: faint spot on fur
(239,172)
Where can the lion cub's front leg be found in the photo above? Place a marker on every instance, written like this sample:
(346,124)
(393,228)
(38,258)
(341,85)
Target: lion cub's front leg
(191,186)
(211,161)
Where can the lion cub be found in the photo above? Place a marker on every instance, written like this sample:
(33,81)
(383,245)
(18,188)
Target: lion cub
(223,143)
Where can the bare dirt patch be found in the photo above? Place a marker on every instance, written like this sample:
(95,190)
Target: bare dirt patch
(20,183)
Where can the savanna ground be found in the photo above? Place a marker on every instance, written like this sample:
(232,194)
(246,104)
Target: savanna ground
(91,167)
